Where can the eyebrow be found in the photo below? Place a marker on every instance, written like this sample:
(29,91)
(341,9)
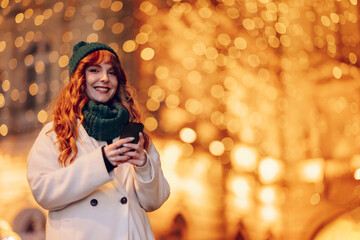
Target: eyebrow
(97,65)
(94,65)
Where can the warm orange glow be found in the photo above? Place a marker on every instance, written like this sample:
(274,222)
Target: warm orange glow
(53,56)
(315,199)
(13,63)
(187,135)
(172,101)
(2,100)
(19,17)
(4,3)
(151,124)
(29,59)
(242,189)
(244,158)
(162,72)
(63,61)
(4,130)
(33,89)
(216,148)
(357,174)
(67,36)
(39,67)
(129,46)
(269,213)
(156,92)
(42,116)
(147,53)
(270,170)
(58,6)
(152,104)
(194,106)
(117,28)
(7,232)
(92,37)
(194,77)
(142,38)
(267,195)
(171,152)
(353,58)
(241,186)
(223,84)
(242,203)
(98,24)
(28,13)
(312,170)
(337,72)
(6,85)
(193,187)
(39,19)
(15,94)
(148,8)
(2,46)
(48,13)
(116,6)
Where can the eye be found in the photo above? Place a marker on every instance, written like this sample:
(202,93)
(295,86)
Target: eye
(112,73)
(93,70)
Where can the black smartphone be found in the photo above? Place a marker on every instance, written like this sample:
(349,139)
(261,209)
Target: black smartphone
(132,130)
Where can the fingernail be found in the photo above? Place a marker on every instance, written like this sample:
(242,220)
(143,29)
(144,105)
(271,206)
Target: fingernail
(125,145)
(131,138)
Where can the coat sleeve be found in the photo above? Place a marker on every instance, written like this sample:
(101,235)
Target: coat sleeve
(53,186)
(153,193)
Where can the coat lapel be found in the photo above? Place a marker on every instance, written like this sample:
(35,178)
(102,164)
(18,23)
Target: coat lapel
(88,143)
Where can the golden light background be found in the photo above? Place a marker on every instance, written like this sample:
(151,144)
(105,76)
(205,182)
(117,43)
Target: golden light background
(253,105)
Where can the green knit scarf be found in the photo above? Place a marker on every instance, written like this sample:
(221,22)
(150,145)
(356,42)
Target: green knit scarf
(104,122)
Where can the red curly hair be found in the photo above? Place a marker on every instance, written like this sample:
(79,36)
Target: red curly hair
(67,114)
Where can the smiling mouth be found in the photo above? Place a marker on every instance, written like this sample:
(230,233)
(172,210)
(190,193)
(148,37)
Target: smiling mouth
(102,89)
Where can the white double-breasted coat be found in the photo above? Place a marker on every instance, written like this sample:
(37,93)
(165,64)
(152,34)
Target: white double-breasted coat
(84,201)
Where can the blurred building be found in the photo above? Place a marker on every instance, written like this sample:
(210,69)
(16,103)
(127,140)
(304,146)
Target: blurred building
(253,104)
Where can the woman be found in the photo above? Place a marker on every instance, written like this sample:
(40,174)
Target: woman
(94,184)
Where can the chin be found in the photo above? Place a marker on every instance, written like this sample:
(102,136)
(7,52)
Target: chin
(102,99)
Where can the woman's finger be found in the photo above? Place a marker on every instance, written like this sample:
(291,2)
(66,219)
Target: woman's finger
(120,158)
(137,147)
(120,151)
(119,143)
(137,162)
(141,139)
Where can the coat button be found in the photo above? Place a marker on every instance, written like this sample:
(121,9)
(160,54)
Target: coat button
(123,200)
(93,202)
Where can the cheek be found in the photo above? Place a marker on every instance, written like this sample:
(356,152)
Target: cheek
(87,85)
(89,79)
(114,83)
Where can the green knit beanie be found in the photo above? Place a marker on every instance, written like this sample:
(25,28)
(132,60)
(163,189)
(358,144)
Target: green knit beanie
(82,49)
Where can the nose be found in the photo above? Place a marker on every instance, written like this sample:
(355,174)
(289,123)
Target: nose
(104,77)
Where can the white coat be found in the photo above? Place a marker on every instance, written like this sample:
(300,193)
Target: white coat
(84,201)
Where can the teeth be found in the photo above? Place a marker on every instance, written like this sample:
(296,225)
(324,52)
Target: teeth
(101,88)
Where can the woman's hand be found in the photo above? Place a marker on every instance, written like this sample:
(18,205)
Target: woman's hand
(120,152)
(114,152)
(137,156)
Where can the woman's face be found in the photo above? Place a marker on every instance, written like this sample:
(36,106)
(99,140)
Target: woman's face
(101,82)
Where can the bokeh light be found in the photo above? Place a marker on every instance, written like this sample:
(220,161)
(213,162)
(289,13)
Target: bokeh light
(270,170)
(188,135)
(244,158)
(259,98)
